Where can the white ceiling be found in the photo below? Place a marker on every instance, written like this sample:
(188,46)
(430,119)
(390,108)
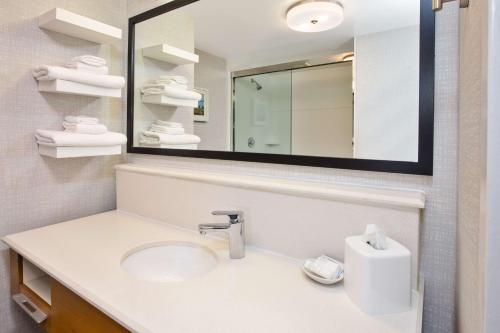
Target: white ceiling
(253,33)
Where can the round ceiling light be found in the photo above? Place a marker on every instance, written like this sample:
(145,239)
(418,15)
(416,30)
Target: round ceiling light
(314,16)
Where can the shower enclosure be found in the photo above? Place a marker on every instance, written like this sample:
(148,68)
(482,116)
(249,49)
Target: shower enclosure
(263,113)
(299,111)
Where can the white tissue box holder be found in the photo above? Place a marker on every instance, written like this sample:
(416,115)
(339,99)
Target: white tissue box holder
(377,281)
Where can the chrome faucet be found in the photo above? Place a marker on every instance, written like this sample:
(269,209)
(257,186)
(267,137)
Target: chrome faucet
(235,230)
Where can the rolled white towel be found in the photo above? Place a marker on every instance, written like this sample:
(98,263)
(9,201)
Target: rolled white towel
(169,123)
(49,73)
(81,120)
(95,129)
(90,60)
(68,139)
(167,130)
(148,137)
(172,92)
(80,66)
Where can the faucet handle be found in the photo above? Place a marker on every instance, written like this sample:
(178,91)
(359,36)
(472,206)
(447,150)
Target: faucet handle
(236,216)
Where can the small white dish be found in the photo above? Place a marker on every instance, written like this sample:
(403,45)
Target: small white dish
(322,280)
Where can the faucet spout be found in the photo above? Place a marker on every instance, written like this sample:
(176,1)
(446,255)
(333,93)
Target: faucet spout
(213,227)
(235,230)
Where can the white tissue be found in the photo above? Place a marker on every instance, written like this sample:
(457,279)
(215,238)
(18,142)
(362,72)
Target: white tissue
(323,267)
(375,237)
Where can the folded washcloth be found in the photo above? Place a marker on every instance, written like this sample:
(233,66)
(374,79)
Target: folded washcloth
(90,60)
(169,124)
(166,129)
(81,120)
(49,73)
(84,128)
(324,267)
(80,66)
(171,84)
(172,92)
(68,139)
(152,138)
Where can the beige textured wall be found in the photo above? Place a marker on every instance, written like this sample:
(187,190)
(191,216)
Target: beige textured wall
(386,116)
(35,190)
(472,144)
(211,73)
(440,216)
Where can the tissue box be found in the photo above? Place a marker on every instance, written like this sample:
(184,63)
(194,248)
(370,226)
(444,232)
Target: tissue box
(378,281)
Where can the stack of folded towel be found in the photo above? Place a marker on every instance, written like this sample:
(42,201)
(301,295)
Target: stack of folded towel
(80,131)
(166,134)
(87,70)
(174,86)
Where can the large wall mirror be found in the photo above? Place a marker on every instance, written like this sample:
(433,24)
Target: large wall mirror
(344,84)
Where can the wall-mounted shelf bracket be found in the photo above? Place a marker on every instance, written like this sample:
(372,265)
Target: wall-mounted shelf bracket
(438,4)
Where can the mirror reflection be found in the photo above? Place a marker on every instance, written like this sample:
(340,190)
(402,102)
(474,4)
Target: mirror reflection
(311,78)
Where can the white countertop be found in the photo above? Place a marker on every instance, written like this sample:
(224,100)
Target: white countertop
(261,293)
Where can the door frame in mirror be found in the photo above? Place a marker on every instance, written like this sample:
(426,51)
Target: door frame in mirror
(424,166)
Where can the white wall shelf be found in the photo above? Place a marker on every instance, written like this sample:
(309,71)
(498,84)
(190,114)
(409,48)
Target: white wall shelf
(37,280)
(169,101)
(71,24)
(170,54)
(68,152)
(41,287)
(75,88)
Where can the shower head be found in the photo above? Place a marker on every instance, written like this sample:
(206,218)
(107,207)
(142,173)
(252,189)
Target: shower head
(257,84)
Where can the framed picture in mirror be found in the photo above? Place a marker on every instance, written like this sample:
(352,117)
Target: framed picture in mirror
(201,112)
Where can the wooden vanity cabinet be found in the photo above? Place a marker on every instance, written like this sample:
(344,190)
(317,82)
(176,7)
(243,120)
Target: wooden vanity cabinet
(66,313)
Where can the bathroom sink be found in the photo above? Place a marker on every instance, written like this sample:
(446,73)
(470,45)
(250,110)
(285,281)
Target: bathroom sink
(169,262)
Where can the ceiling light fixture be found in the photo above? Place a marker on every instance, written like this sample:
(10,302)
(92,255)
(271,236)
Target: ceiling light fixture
(314,16)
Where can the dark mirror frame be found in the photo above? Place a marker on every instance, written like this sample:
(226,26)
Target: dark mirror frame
(424,166)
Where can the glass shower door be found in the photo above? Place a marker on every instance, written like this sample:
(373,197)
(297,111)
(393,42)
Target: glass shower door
(263,113)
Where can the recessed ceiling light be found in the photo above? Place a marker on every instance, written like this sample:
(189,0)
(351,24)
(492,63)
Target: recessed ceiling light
(314,16)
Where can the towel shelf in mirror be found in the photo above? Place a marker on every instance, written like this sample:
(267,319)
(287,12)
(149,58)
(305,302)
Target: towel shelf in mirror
(170,54)
(68,152)
(169,101)
(75,88)
(71,24)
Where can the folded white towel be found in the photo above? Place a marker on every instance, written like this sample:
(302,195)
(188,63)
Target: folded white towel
(81,120)
(49,73)
(166,129)
(323,267)
(80,66)
(172,92)
(84,128)
(160,85)
(148,137)
(68,139)
(169,124)
(176,78)
(90,60)
(191,146)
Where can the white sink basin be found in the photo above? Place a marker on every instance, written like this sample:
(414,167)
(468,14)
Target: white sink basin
(169,262)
